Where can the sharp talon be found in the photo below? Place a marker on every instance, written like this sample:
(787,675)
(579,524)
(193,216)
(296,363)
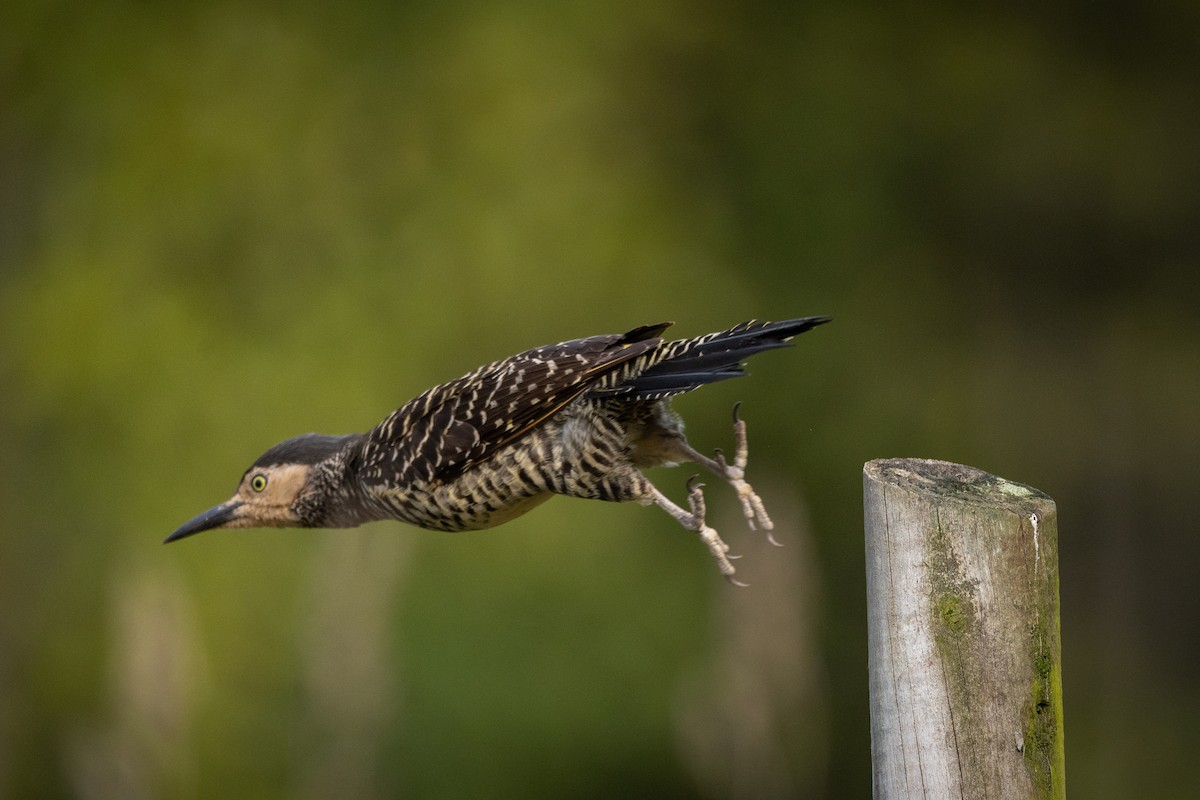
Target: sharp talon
(736,406)
(732,557)
(771,538)
(736,582)
(691,483)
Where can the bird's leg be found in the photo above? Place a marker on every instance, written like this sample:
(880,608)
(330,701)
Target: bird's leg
(694,521)
(735,473)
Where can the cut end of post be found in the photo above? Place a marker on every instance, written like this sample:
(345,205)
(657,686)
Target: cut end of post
(948,481)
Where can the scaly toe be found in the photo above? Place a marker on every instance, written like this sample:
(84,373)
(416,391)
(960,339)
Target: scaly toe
(718,549)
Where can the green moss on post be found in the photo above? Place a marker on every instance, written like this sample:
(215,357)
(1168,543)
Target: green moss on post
(963,634)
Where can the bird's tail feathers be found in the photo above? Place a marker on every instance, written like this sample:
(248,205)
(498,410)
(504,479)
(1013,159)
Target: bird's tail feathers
(687,364)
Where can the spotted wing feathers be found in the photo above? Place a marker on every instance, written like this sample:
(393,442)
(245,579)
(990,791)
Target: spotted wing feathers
(447,429)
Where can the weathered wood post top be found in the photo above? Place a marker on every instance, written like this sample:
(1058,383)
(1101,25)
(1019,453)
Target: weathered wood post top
(964,648)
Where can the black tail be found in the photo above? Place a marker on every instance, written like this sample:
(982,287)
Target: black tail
(686,364)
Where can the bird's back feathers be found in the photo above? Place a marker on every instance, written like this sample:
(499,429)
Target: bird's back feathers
(449,428)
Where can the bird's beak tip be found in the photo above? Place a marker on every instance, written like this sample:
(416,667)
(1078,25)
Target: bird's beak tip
(216,517)
(179,534)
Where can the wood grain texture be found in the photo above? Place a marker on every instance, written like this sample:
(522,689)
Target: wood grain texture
(963,634)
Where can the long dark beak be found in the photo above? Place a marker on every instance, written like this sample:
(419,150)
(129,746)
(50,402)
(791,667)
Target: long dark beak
(213,518)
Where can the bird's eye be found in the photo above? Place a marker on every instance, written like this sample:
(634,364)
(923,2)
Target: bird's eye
(258,483)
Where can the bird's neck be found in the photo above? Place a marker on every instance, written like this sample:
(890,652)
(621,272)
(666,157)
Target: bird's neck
(329,499)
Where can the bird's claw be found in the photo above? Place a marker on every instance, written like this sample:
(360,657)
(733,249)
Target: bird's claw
(718,548)
(696,500)
(720,552)
(752,505)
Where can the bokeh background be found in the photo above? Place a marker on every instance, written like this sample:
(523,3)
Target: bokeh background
(222,224)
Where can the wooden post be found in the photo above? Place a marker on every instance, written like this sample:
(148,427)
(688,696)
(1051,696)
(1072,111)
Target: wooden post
(963,634)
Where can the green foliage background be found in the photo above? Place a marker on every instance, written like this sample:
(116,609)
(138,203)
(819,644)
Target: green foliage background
(223,224)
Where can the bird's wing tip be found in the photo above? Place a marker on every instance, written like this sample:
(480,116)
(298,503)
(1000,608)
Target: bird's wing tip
(643,332)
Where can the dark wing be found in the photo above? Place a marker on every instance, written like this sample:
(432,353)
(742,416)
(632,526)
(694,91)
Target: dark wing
(447,429)
(686,364)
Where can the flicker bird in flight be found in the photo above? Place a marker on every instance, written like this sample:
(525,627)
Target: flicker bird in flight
(580,418)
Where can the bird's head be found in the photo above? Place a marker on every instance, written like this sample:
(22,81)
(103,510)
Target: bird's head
(281,489)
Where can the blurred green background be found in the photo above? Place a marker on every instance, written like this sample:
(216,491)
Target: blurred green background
(223,224)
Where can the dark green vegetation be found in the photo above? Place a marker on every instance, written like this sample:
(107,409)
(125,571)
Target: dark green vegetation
(222,225)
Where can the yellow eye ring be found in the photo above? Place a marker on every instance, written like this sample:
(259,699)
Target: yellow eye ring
(258,483)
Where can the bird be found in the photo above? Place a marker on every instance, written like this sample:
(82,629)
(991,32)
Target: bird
(581,418)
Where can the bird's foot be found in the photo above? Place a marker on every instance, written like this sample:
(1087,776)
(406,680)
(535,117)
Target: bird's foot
(735,473)
(718,548)
(694,520)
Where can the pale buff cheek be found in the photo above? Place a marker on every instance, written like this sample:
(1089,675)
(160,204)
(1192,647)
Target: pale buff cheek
(272,507)
(261,515)
(286,482)
(244,522)
(275,517)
